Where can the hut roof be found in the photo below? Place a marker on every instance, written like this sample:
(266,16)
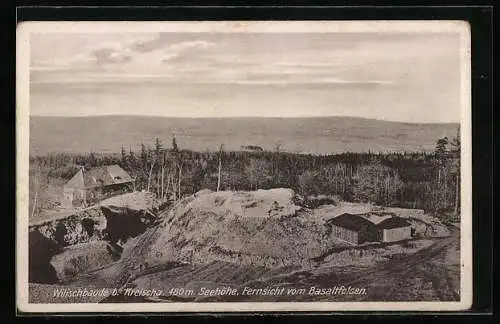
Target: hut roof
(393,222)
(99,177)
(76,181)
(377,217)
(351,222)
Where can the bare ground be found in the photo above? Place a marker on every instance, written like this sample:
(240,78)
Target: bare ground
(430,274)
(427,269)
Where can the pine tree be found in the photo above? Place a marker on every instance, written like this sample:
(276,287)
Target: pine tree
(177,165)
(123,156)
(93,160)
(144,155)
(456,149)
(455,144)
(158,147)
(441,147)
(131,159)
(175,148)
(442,164)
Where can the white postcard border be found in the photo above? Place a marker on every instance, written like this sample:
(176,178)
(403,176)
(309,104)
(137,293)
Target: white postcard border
(22,168)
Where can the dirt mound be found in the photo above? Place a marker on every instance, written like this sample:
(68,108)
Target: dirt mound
(80,258)
(260,228)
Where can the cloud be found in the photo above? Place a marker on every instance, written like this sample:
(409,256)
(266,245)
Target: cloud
(149,52)
(181,46)
(110,55)
(174,51)
(145,53)
(150,44)
(312,81)
(336,60)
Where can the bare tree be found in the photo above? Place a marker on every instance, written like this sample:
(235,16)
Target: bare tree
(174,186)
(35,201)
(162,179)
(150,173)
(168,184)
(220,166)
(37,174)
(276,171)
(179,184)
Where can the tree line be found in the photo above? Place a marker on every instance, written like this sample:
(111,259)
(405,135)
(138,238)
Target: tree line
(429,181)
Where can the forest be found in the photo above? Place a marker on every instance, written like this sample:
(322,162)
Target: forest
(429,181)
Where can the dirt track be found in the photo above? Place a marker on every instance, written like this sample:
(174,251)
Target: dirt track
(426,265)
(425,275)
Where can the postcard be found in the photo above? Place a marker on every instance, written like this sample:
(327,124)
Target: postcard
(231,166)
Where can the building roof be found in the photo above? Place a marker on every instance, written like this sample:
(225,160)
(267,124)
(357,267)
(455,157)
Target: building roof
(356,222)
(377,217)
(76,181)
(99,177)
(393,222)
(351,222)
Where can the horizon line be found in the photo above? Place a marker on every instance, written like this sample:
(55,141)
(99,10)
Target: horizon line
(246,117)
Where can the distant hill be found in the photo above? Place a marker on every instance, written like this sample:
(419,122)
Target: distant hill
(318,135)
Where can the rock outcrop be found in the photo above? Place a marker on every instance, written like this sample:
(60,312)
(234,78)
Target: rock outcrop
(100,231)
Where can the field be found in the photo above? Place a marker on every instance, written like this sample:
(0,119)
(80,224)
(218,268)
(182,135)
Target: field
(322,135)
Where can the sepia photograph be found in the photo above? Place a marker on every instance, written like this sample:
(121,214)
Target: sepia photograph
(232,166)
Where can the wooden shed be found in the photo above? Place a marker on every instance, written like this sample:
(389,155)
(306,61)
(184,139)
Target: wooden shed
(354,229)
(394,229)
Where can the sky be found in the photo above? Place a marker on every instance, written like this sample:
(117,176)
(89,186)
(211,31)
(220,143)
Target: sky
(409,77)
